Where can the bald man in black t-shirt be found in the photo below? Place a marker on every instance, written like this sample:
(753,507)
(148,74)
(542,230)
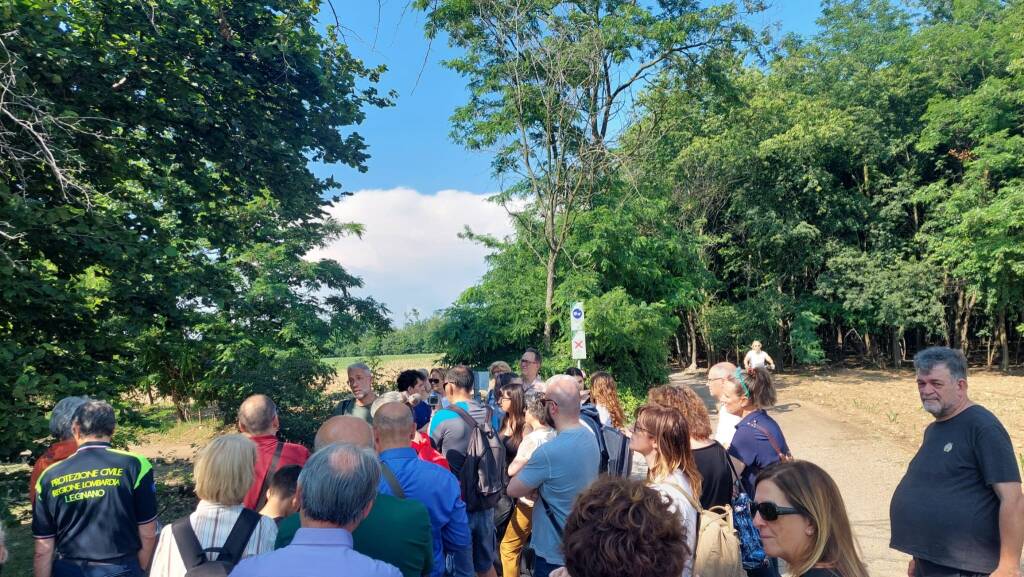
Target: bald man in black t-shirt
(96,510)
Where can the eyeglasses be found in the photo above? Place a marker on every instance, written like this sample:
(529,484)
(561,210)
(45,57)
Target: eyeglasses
(545,400)
(527,362)
(639,429)
(434,381)
(500,399)
(770,511)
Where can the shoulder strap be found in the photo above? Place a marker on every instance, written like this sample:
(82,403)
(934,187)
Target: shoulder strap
(191,551)
(469,420)
(551,515)
(269,476)
(392,480)
(238,538)
(700,511)
(771,439)
(737,487)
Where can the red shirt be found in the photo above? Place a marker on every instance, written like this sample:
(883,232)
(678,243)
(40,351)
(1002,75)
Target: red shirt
(56,453)
(426,451)
(291,454)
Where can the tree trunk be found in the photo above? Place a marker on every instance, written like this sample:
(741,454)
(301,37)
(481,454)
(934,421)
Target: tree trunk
(691,325)
(839,343)
(897,356)
(549,299)
(1004,345)
(679,348)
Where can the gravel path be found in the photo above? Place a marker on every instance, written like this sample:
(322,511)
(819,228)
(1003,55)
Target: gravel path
(866,465)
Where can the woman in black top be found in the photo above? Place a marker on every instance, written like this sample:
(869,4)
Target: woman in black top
(711,458)
(511,399)
(802,520)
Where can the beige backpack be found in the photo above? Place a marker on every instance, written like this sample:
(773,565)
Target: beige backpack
(717,553)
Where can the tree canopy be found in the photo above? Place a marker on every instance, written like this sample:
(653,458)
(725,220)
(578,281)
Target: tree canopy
(156,203)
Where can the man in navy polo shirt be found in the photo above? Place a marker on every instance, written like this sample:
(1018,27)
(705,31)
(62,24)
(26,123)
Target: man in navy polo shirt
(96,510)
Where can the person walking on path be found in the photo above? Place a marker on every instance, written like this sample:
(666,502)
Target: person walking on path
(757,358)
(958,510)
(95,512)
(257,418)
(557,471)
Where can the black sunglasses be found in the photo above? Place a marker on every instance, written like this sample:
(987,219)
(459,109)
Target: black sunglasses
(434,381)
(770,511)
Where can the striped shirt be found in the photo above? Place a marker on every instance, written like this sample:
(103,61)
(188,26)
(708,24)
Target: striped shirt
(212,524)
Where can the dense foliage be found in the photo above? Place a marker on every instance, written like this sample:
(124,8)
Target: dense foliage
(155,204)
(854,194)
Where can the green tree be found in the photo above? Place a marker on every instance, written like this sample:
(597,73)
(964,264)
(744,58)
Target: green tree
(180,265)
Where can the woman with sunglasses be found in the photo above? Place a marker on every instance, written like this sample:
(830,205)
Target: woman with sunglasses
(662,436)
(802,520)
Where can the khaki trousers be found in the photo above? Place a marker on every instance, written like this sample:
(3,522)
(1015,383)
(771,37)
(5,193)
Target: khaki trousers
(516,535)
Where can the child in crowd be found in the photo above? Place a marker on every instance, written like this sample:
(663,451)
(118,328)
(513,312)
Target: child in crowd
(281,496)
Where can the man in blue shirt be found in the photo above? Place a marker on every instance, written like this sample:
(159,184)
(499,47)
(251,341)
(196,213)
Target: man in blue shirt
(557,471)
(430,484)
(337,488)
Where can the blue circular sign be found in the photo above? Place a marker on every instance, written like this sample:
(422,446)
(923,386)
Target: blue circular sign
(577,313)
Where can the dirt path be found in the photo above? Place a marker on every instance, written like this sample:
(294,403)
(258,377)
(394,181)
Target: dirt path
(866,465)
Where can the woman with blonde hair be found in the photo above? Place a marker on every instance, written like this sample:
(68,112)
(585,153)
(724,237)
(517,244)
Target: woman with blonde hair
(605,396)
(662,436)
(802,520)
(223,473)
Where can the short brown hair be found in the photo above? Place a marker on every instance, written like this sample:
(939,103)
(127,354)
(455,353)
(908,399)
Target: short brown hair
(620,528)
(688,403)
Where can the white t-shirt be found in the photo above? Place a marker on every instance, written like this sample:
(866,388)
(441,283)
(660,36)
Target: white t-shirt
(726,426)
(531,441)
(672,488)
(757,358)
(606,417)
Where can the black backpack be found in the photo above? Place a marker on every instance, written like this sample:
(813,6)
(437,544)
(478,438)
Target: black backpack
(616,458)
(483,476)
(197,564)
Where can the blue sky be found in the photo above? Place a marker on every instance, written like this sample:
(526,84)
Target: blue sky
(410,228)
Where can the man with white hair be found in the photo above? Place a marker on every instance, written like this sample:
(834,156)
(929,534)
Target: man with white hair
(360,380)
(557,471)
(718,375)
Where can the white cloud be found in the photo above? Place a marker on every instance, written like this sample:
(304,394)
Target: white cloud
(410,255)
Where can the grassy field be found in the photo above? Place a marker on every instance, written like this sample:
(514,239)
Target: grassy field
(385,367)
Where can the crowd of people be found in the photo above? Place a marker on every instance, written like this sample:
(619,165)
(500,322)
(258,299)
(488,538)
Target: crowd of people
(441,477)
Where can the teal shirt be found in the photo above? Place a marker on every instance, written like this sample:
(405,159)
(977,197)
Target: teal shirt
(397,531)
